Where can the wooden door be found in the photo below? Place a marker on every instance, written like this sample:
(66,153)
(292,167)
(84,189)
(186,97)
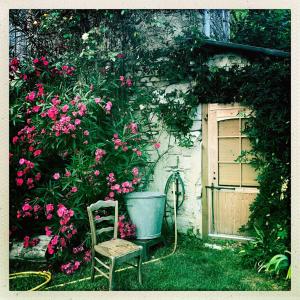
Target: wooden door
(232,184)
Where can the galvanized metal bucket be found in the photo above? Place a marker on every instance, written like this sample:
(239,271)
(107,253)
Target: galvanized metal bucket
(146,211)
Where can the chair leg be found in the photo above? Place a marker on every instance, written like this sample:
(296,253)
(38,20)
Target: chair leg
(140,267)
(93,269)
(111,274)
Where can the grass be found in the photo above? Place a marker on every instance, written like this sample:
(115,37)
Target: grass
(192,268)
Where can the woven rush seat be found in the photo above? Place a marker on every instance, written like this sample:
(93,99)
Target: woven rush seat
(116,248)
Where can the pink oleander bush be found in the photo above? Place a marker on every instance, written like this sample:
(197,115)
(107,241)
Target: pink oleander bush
(71,144)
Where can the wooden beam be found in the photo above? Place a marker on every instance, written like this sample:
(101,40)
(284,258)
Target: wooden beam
(204,170)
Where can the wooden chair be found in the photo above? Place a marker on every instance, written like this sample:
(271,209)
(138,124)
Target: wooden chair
(115,250)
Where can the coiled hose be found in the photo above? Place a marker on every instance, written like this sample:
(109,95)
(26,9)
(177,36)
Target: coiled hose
(45,274)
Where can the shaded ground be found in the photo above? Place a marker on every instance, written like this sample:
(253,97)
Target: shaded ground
(192,268)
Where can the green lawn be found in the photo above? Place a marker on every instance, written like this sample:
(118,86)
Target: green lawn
(192,268)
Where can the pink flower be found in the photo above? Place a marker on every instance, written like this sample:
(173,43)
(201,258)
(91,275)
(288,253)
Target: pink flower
(99,154)
(68,173)
(55,101)
(138,153)
(133,127)
(31,148)
(65,108)
(20,173)
(52,113)
(54,241)
(19,181)
(61,210)
(36,208)
(111,194)
(135,171)
(156,145)
(48,230)
(15,139)
(30,164)
(129,82)
(26,207)
(26,241)
(49,216)
(120,55)
(50,249)
(74,189)
(38,176)
(19,214)
(49,207)
(37,152)
(77,122)
(22,161)
(117,143)
(116,187)
(56,176)
(29,181)
(97,172)
(63,242)
(136,180)
(87,256)
(108,107)
(98,100)
(46,63)
(86,132)
(36,109)
(30,96)
(76,264)
(35,61)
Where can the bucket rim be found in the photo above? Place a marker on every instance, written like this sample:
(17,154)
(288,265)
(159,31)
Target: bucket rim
(143,195)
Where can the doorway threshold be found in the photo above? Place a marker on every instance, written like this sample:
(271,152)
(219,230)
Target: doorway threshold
(230,237)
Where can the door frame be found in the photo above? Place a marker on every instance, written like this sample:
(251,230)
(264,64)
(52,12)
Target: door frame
(205,211)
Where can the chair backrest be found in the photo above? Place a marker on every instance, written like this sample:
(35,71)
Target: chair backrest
(96,222)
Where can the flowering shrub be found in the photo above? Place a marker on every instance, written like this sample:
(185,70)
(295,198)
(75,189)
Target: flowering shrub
(71,145)
(126,228)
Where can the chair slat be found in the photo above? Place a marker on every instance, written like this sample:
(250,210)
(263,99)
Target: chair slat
(102,219)
(106,229)
(101,263)
(102,203)
(101,272)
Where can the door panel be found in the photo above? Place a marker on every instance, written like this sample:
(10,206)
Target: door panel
(231,211)
(233,182)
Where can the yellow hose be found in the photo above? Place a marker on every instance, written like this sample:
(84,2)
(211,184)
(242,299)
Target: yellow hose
(45,274)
